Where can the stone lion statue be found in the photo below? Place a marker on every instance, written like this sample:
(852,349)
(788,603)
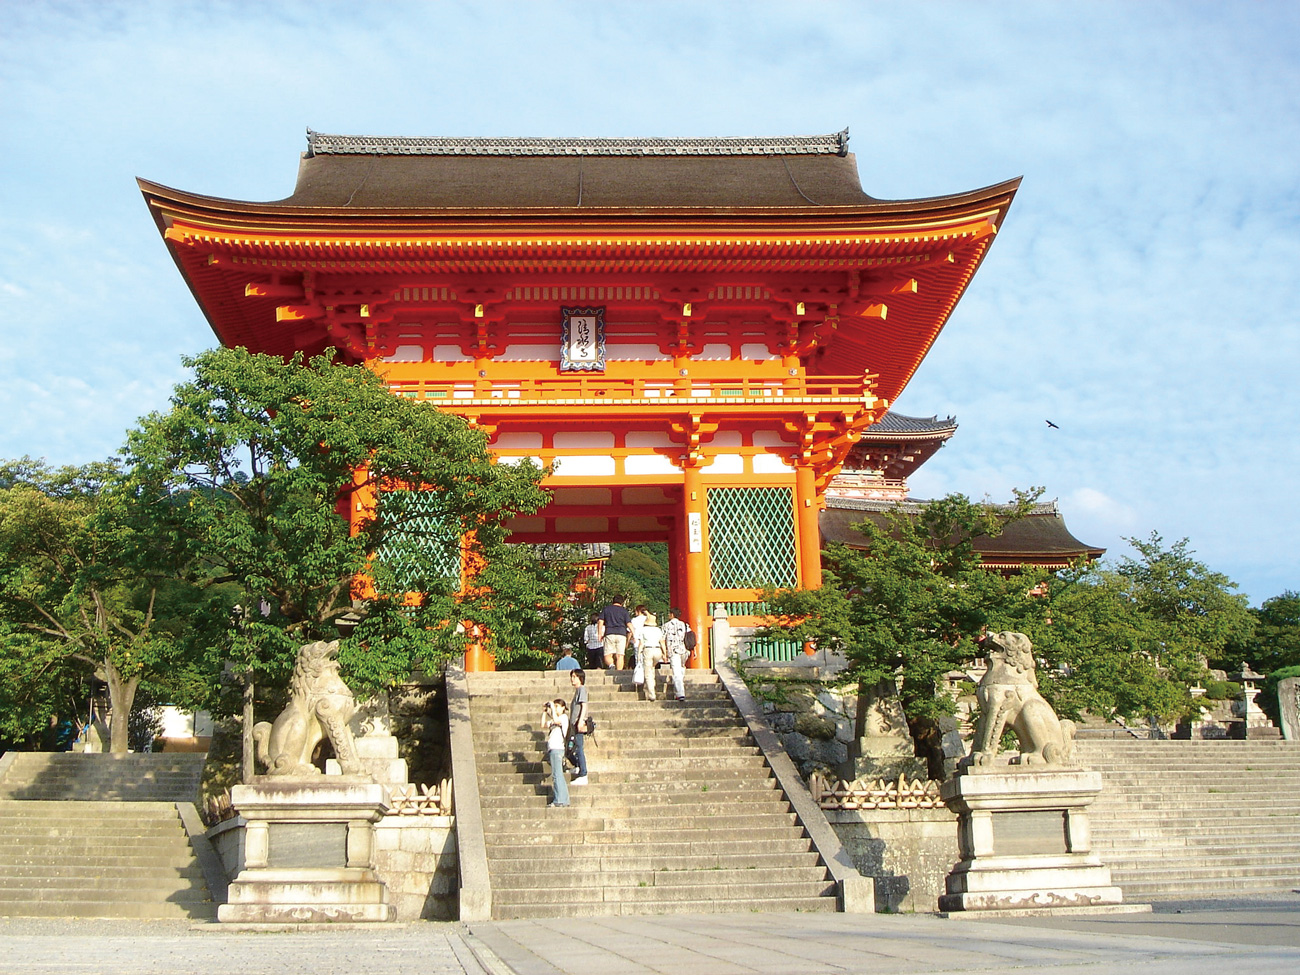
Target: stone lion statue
(320,705)
(1008,698)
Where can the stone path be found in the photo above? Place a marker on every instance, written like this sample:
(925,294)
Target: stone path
(30,946)
(1261,936)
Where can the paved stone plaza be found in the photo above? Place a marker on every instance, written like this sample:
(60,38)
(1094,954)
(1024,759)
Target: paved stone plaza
(1261,935)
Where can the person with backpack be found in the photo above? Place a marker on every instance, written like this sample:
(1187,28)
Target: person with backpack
(580,725)
(679,643)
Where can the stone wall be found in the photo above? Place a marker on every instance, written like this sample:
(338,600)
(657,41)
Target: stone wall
(416,859)
(817,724)
(908,852)
(419,721)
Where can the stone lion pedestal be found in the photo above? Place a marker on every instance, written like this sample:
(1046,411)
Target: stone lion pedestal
(309,838)
(1025,841)
(308,853)
(1022,820)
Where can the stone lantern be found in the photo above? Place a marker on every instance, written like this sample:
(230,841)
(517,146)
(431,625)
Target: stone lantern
(1254,722)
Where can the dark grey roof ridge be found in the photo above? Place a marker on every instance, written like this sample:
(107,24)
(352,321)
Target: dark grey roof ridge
(320,143)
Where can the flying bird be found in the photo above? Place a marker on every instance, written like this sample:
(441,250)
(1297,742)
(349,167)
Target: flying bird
(1052,425)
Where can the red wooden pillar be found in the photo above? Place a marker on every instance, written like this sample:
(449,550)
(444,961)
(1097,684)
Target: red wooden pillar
(807,527)
(695,551)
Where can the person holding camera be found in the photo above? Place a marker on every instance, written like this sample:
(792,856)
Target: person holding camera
(555,722)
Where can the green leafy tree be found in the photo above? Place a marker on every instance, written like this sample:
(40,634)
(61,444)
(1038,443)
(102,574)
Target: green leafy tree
(252,472)
(1104,654)
(911,608)
(84,589)
(645,563)
(1197,609)
(1275,643)
(1131,641)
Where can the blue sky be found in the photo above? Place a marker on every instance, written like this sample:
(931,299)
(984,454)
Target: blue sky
(1142,295)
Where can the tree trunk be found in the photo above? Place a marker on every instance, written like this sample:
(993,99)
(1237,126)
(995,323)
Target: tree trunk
(121,696)
(247,767)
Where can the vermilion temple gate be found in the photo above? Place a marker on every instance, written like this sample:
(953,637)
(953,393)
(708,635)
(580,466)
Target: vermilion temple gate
(694,332)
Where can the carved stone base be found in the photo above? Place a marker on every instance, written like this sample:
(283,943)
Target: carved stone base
(308,853)
(306,896)
(1025,841)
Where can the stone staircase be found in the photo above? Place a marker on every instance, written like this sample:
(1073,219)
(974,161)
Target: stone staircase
(134,777)
(1197,818)
(99,836)
(682,814)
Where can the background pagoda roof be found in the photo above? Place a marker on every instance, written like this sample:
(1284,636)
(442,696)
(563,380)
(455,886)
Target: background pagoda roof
(896,426)
(896,445)
(1040,538)
(375,172)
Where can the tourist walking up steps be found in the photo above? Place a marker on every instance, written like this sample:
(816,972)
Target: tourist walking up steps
(555,722)
(579,724)
(614,620)
(634,642)
(679,643)
(649,652)
(594,644)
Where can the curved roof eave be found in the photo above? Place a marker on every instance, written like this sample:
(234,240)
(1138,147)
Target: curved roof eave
(228,208)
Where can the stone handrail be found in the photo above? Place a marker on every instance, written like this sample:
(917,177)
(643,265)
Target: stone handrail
(475,882)
(214,874)
(857,894)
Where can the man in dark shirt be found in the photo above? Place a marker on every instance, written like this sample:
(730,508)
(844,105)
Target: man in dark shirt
(613,622)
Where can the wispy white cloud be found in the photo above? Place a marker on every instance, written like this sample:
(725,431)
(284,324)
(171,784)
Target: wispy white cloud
(1142,294)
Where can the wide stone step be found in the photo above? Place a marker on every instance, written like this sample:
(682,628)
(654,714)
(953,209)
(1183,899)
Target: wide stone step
(631,860)
(673,905)
(592,811)
(93,859)
(39,827)
(1137,891)
(642,725)
(629,751)
(105,872)
(47,887)
(649,892)
(1285,831)
(71,776)
(704,846)
(677,879)
(618,796)
(73,846)
(597,762)
(642,820)
(88,905)
(1187,874)
(649,835)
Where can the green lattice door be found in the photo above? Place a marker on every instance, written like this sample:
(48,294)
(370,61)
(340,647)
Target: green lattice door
(751,537)
(422,546)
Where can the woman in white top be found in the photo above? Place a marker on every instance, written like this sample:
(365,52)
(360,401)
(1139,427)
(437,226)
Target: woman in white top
(555,721)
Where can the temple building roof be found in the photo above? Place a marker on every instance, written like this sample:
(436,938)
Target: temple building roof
(347,173)
(1041,538)
(778,229)
(364,172)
